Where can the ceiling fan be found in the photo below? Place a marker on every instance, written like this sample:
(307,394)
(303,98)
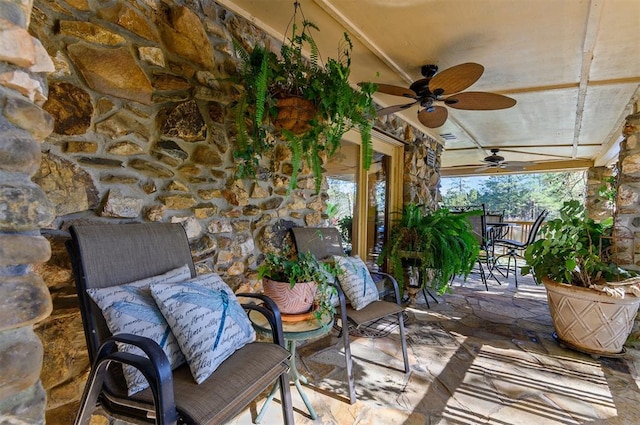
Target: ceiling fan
(497,161)
(445,87)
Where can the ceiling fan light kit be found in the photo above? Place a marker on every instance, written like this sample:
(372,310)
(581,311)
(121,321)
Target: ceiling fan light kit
(446,88)
(495,161)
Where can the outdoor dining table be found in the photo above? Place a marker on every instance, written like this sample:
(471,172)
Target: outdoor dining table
(497,230)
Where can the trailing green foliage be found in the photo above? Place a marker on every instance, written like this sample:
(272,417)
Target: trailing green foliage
(340,107)
(441,241)
(345,225)
(574,249)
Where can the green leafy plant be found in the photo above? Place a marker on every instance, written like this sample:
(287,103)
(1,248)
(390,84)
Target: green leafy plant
(338,107)
(302,267)
(441,241)
(575,249)
(345,225)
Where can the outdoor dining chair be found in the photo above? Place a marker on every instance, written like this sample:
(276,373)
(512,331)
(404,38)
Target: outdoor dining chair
(496,227)
(514,248)
(108,256)
(486,256)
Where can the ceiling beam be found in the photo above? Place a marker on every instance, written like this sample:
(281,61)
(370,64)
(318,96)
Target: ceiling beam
(512,147)
(590,36)
(565,86)
(352,28)
(611,146)
(541,167)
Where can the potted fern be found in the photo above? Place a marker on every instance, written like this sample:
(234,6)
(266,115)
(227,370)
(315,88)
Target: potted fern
(439,241)
(304,103)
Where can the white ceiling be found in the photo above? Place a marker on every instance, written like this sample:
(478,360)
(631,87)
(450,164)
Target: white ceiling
(572,65)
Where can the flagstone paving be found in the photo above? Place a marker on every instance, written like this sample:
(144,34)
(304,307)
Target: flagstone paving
(477,357)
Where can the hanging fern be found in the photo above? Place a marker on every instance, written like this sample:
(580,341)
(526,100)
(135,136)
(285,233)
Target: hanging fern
(296,148)
(340,107)
(261,91)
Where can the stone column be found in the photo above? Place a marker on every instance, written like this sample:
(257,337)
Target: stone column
(598,207)
(627,225)
(422,172)
(24,209)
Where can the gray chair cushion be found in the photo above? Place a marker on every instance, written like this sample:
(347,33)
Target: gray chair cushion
(237,381)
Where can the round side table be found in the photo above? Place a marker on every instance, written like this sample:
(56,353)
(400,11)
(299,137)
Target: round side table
(293,332)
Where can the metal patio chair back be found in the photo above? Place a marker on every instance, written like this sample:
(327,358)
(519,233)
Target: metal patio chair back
(104,255)
(324,242)
(514,248)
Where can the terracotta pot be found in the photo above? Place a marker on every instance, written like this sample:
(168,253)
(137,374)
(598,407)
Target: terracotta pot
(296,300)
(294,114)
(589,320)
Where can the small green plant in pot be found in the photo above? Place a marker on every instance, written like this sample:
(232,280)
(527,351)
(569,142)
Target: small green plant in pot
(298,283)
(439,241)
(321,105)
(574,260)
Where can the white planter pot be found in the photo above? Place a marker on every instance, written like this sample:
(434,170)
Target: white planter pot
(589,320)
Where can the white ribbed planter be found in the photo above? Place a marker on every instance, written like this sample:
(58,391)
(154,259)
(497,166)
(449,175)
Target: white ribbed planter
(589,320)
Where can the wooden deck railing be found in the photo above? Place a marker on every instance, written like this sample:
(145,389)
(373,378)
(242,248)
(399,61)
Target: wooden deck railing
(518,230)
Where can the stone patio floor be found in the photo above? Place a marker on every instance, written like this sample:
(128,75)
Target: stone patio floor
(477,357)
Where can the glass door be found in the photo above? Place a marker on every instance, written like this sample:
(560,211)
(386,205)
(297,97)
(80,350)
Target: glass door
(360,202)
(377,206)
(342,181)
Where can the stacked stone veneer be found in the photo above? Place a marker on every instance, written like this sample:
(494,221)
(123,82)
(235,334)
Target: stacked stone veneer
(143,130)
(421,174)
(24,209)
(627,226)
(598,208)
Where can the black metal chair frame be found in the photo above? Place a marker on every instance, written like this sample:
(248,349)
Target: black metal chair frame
(163,406)
(486,256)
(514,248)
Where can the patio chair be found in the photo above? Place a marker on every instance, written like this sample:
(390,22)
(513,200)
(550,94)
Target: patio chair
(325,242)
(514,248)
(478,227)
(104,256)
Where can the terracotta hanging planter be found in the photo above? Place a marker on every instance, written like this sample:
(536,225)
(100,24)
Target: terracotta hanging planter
(290,300)
(588,320)
(294,114)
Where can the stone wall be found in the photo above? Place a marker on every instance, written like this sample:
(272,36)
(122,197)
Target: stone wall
(421,175)
(627,225)
(598,207)
(143,131)
(24,209)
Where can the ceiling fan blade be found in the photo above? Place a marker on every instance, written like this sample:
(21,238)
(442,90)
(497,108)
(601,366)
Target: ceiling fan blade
(435,118)
(455,79)
(483,168)
(513,167)
(518,164)
(523,163)
(396,90)
(479,101)
(394,109)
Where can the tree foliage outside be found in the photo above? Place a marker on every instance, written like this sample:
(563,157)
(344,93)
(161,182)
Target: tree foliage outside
(519,196)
